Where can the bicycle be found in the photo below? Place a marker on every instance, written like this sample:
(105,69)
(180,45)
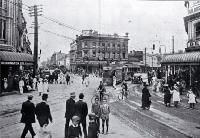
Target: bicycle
(123,94)
(97,94)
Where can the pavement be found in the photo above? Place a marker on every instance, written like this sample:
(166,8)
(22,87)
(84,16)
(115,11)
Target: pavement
(10,106)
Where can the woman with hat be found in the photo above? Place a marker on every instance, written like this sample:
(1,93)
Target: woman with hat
(175,95)
(146,102)
(167,95)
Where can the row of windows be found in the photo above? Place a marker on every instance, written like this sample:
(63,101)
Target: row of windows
(94,44)
(108,55)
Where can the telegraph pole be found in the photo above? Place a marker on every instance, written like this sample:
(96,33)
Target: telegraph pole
(145,63)
(172,44)
(35,12)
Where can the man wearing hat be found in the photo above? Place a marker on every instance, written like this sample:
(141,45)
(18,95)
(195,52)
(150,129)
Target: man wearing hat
(82,111)
(43,111)
(70,111)
(28,116)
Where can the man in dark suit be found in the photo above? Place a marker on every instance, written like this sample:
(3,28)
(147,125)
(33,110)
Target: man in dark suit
(43,111)
(70,111)
(82,111)
(28,116)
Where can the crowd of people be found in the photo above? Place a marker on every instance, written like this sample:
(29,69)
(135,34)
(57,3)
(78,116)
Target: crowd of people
(76,112)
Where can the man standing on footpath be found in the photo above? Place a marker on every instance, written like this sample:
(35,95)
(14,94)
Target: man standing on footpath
(28,117)
(82,111)
(70,111)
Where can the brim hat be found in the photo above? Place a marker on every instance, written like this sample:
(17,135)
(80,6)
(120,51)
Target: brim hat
(72,94)
(166,85)
(75,118)
(30,96)
(92,116)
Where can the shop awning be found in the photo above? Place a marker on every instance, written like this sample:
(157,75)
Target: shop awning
(15,57)
(190,57)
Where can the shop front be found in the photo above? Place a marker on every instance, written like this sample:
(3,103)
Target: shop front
(12,66)
(185,66)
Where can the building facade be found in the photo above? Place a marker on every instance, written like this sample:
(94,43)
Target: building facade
(91,50)
(187,65)
(15,52)
(13,32)
(60,59)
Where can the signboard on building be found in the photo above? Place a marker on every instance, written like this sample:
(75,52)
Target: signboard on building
(194,7)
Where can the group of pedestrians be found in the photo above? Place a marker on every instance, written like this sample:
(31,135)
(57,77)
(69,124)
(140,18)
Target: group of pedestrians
(77,112)
(28,111)
(173,93)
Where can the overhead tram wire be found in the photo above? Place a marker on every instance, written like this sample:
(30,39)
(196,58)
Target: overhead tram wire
(59,35)
(61,24)
(48,18)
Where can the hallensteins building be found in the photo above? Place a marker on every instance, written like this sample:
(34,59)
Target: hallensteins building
(91,50)
(15,52)
(187,65)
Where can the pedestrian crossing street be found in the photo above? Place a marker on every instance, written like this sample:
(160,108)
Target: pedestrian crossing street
(185,127)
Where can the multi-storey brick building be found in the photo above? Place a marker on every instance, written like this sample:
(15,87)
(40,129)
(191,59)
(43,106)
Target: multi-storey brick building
(92,50)
(15,52)
(13,32)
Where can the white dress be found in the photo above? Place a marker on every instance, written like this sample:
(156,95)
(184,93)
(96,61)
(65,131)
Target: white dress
(175,96)
(40,86)
(191,98)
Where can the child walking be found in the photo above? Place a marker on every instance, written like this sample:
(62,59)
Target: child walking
(96,111)
(191,97)
(93,130)
(175,96)
(75,129)
(105,111)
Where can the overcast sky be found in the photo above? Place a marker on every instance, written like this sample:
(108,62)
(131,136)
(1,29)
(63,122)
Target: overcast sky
(147,22)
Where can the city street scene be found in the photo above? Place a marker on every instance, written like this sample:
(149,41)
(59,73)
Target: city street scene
(99,69)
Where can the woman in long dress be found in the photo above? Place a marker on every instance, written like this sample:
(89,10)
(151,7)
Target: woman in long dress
(167,95)
(146,102)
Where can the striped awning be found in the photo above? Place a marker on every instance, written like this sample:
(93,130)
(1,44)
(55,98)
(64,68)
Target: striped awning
(190,57)
(15,57)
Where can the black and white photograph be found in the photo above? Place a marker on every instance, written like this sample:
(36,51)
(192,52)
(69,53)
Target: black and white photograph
(99,69)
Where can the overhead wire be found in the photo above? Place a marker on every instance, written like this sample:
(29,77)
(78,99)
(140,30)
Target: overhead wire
(59,35)
(47,18)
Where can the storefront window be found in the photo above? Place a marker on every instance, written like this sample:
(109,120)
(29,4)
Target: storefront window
(2,29)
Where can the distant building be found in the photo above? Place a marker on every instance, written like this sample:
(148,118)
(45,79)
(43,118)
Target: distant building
(135,56)
(152,60)
(60,59)
(92,51)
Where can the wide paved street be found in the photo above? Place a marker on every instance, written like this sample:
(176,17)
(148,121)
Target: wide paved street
(127,120)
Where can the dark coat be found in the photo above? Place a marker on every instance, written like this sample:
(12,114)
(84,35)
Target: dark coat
(81,109)
(70,108)
(43,113)
(167,96)
(74,132)
(28,112)
(145,97)
(92,130)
